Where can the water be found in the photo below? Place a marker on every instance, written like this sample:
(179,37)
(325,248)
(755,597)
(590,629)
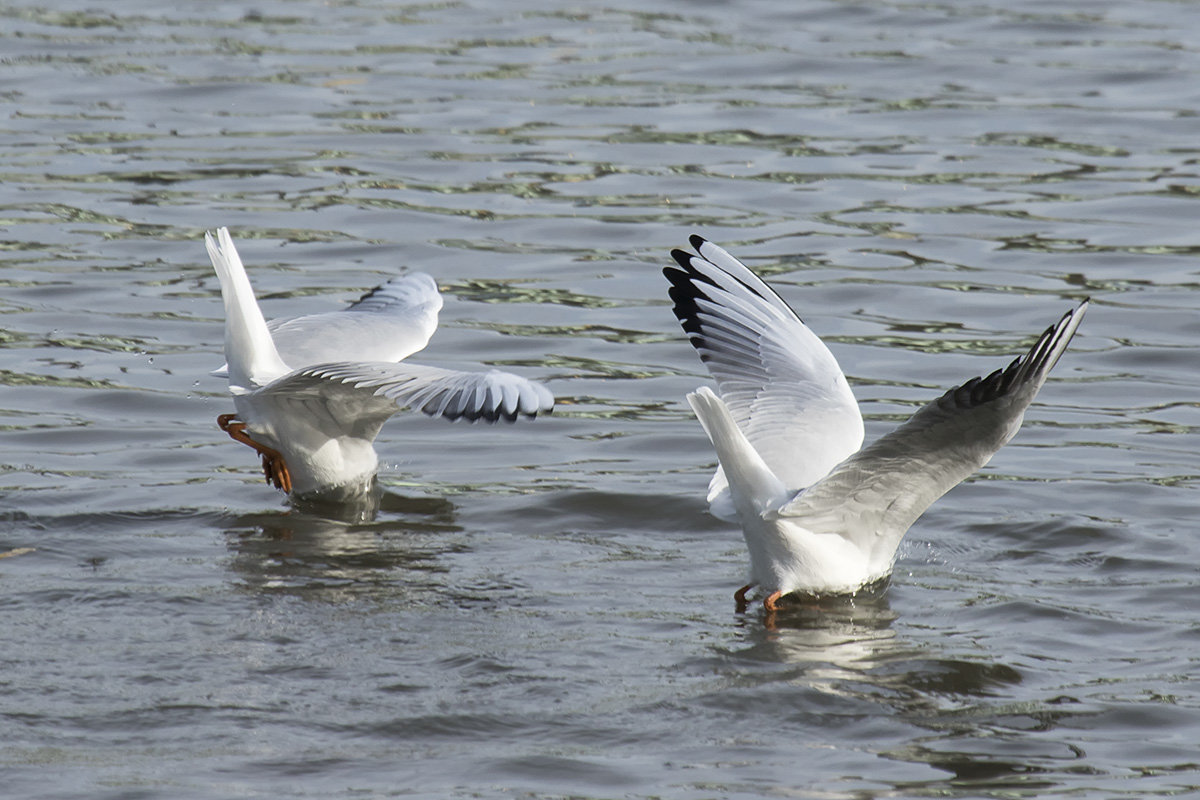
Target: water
(546,609)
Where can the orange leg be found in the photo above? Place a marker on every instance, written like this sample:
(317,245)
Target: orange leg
(740,597)
(771,603)
(274,467)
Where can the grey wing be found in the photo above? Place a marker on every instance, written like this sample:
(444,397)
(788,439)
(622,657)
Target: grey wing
(375,388)
(876,495)
(783,387)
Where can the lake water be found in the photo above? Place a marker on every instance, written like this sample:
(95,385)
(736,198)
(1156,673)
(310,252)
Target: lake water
(545,609)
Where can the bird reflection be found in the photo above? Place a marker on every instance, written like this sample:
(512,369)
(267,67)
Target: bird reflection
(353,505)
(839,635)
(385,542)
(848,647)
(851,638)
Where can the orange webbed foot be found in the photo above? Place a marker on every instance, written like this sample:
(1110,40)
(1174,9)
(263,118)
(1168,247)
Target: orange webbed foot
(772,601)
(276,471)
(275,468)
(771,604)
(740,597)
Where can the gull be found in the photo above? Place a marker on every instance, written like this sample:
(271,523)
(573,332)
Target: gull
(312,392)
(819,514)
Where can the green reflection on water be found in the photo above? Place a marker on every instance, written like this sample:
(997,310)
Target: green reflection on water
(583,367)
(483,290)
(1049,244)
(602,332)
(11,378)
(1044,142)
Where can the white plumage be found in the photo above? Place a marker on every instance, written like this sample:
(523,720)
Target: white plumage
(312,392)
(820,515)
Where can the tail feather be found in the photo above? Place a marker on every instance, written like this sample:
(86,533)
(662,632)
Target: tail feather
(249,349)
(750,479)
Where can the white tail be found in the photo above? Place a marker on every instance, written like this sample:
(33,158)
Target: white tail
(750,479)
(249,349)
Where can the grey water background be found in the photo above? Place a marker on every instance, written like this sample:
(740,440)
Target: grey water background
(545,610)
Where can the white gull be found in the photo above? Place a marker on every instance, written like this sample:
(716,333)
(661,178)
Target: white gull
(819,514)
(312,392)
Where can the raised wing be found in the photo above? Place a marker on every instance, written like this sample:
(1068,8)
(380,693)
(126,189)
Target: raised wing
(380,389)
(783,387)
(406,294)
(389,323)
(876,495)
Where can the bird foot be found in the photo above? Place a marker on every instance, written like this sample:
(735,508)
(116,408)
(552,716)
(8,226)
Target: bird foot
(740,598)
(772,601)
(770,604)
(275,468)
(276,471)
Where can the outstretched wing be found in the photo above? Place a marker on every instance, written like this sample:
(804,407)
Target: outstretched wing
(874,496)
(783,387)
(377,389)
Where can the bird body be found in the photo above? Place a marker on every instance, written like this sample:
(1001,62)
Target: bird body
(819,513)
(784,555)
(311,393)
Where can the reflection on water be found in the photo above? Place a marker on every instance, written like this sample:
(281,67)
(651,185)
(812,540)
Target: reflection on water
(834,638)
(849,649)
(324,550)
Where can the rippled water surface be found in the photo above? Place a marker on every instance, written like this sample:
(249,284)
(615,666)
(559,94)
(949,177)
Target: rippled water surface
(545,609)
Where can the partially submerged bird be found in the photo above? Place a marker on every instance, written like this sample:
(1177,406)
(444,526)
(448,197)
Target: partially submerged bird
(312,392)
(820,515)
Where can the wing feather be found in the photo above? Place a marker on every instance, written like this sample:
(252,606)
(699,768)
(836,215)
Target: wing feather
(783,387)
(402,295)
(877,494)
(490,396)
(388,323)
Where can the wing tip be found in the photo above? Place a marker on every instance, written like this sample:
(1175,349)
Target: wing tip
(1031,367)
(683,258)
(406,289)
(532,399)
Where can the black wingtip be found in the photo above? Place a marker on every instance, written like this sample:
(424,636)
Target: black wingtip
(369,294)
(491,416)
(683,258)
(1035,362)
(697,241)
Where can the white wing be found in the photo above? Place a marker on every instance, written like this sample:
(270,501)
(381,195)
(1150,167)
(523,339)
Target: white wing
(375,390)
(876,495)
(783,387)
(388,323)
